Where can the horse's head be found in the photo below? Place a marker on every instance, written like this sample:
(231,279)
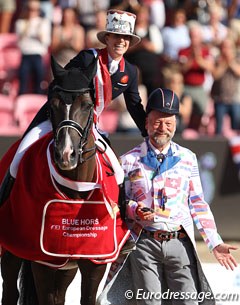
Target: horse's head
(71,111)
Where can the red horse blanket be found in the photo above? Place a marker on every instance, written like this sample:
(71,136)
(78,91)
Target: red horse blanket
(40,223)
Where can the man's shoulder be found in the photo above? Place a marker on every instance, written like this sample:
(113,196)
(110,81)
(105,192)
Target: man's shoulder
(133,153)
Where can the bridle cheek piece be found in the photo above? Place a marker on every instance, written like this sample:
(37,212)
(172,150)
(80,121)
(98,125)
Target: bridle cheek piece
(83,133)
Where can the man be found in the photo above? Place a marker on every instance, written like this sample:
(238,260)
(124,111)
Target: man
(165,197)
(114,76)
(196,63)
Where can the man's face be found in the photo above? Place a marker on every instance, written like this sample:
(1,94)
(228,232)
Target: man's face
(161,128)
(117,45)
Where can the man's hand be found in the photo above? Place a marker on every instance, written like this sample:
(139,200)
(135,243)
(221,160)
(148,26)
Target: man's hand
(144,213)
(223,255)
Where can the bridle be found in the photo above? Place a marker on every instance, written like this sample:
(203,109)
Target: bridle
(83,132)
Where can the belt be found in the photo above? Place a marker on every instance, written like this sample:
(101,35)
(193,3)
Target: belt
(161,235)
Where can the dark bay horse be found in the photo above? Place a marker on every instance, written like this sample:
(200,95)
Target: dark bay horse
(80,222)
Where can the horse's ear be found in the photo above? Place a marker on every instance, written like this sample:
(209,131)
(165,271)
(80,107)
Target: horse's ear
(74,78)
(57,69)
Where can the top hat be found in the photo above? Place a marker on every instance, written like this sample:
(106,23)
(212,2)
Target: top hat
(163,100)
(122,23)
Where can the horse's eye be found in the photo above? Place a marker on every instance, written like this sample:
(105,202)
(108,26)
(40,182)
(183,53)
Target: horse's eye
(87,106)
(54,103)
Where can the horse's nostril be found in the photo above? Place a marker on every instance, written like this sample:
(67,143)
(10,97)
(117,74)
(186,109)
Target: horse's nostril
(73,154)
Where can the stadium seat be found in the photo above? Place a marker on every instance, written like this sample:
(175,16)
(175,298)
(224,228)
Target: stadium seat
(190,134)
(10,58)
(6,110)
(9,53)
(26,107)
(108,121)
(8,40)
(7,122)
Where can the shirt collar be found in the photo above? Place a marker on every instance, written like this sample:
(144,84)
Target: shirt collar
(110,60)
(157,151)
(112,65)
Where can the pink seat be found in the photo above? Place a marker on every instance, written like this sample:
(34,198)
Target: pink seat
(10,59)
(6,110)
(11,130)
(190,134)
(8,40)
(26,107)
(108,120)
(10,87)
(8,126)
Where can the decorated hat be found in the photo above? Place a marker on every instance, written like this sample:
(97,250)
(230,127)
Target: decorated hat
(122,23)
(163,100)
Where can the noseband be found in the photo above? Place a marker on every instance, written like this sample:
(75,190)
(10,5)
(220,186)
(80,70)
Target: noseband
(83,132)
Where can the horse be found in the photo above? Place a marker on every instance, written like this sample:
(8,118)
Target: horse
(71,227)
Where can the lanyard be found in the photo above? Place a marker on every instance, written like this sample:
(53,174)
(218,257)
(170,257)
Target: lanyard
(162,197)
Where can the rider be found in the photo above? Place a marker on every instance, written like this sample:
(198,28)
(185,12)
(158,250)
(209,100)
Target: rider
(114,76)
